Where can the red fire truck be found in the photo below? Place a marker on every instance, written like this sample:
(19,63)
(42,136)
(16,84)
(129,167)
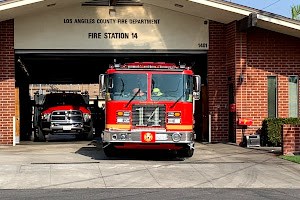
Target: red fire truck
(149,106)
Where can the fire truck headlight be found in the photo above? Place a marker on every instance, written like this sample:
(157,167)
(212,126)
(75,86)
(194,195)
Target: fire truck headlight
(174,117)
(123,113)
(46,116)
(174,114)
(86,117)
(123,117)
(174,120)
(123,136)
(125,120)
(176,137)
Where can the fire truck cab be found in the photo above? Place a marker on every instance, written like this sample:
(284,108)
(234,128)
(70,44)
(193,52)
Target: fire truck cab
(149,106)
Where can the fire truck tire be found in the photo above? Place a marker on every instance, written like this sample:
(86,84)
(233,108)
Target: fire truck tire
(41,135)
(186,152)
(110,150)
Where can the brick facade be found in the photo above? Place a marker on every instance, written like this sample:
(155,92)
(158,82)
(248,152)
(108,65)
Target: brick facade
(217,82)
(226,61)
(269,54)
(255,54)
(290,139)
(7,82)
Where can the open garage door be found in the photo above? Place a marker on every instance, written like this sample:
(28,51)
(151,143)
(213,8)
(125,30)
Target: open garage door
(80,70)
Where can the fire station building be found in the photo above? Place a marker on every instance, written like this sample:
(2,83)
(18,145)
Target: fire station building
(248,59)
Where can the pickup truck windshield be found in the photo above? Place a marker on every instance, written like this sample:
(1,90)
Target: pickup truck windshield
(125,86)
(172,87)
(64,99)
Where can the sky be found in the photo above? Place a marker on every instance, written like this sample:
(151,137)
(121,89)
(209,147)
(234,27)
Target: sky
(280,7)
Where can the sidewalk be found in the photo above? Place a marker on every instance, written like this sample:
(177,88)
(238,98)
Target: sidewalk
(80,165)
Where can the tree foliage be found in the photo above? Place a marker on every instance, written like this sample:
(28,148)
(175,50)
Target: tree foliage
(296,12)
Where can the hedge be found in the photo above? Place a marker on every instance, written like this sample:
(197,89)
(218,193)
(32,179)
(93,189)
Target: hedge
(271,130)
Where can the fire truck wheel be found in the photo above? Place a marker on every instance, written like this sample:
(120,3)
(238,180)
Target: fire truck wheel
(186,152)
(41,135)
(110,150)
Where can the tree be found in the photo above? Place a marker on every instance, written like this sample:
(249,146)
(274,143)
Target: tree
(296,12)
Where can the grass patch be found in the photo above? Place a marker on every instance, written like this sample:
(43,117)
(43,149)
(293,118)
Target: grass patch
(295,159)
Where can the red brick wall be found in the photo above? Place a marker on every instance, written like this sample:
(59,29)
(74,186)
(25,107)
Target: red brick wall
(231,33)
(226,58)
(268,53)
(271,53)
(255,54)
(7,82)
(290,138)
(217,82)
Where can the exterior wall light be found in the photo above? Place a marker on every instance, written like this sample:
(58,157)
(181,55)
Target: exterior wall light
(178,5)
(50,5)
(241,78)
(112,12)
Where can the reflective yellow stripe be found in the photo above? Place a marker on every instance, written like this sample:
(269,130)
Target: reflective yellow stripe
(118,126)
(180,127)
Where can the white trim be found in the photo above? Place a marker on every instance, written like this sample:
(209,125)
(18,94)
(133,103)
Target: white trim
(222,6)
(278,22)
(14,4)
(230,8)
(107,51)
(14,131)
(244,12)
(209,128)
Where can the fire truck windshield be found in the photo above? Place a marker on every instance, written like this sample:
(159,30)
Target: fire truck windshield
(57,99)
(124,86)
(172,87)
(164,87)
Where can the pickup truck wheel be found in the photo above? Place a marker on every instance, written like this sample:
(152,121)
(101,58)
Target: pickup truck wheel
(41,135)
(110,150)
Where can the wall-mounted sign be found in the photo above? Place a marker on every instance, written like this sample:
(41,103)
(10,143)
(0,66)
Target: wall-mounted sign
(243,121)
(137,27)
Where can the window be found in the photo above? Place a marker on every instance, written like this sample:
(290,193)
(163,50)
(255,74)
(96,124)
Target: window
(124,86)
(172,87)
(272,96)
(293,96)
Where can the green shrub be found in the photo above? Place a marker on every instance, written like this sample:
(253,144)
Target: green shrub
(271,130)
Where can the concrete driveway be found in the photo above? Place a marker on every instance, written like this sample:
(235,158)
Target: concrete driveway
(82,164)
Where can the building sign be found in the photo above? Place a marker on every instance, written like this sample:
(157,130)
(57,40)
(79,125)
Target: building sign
(243,121)
(91,27)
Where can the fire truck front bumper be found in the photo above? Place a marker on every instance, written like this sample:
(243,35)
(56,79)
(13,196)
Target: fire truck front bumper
(172,137)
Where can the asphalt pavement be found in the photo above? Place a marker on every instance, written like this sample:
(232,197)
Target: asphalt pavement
(149,194)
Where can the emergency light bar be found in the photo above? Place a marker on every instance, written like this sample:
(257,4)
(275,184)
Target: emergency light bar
(148,65)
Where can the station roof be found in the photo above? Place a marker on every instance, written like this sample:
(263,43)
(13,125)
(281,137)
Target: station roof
(216,10)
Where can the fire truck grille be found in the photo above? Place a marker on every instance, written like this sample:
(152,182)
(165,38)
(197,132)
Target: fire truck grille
(75,115)
(150,116)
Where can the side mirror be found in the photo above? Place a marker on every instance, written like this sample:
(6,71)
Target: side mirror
(197,87)
(102,87)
